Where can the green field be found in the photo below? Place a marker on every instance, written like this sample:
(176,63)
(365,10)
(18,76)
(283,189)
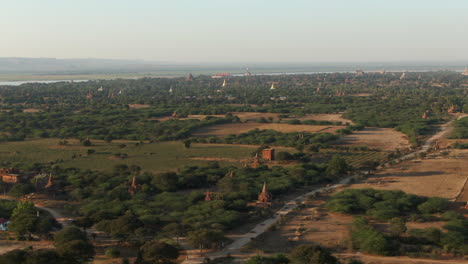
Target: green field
(163,156)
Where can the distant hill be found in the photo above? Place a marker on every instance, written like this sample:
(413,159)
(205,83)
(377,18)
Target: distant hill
(81,66)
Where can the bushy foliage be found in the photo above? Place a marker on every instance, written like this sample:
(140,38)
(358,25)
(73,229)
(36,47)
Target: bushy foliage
(367,239)
(383,204)
(312,254)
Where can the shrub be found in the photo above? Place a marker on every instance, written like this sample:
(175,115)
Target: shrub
(284,155)
(112,252)
(433,205)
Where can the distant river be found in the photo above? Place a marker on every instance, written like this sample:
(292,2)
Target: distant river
(17,83)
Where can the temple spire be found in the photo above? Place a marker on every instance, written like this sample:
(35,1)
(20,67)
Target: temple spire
(264,196)
(49,182)
(133,187)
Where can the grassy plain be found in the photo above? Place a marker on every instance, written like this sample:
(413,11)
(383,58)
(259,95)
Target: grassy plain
(162,156)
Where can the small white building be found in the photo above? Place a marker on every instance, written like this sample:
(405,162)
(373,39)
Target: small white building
(4,224)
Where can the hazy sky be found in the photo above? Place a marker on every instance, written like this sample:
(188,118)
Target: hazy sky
(236,30)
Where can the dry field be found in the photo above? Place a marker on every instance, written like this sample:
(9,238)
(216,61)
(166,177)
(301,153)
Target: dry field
(253,116)
(326,117)
(442,176)
(310,225)
(223,130)
(361,94)
(31,110)
(386,139)
(138,106)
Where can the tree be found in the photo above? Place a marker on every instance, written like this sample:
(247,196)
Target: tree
(112,252)
(204,238)
(277,259)
(284,155)
(370,165)
(69,233)
(159,252)
(166,181)
(73,243)
(21,189)
(79,250)
(433,205)
(397,226)
(23,224)
(124,226)
(87,143)
(175,229)
(187,143)
(336,167)
(312,254)
(83,222)
(24,207)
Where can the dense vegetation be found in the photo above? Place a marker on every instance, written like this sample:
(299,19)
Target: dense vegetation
(384,204)
(396,208)
(461,128)
(26,221)
(83,109)
(158,208)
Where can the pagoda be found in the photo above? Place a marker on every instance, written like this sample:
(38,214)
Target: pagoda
(133,189)
(189,77)
(451,109)
(264,199)
(264,196)
(272,86)
(50,182)
(208,196)
(224,83)
(256,161)
(465,72)
(403,76)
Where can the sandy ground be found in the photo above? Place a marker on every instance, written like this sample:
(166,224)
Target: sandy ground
(442,176)
(6,245)
(223,130)
(310,225)
(326,117)
(31,110)
(253,116)
(386,139)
